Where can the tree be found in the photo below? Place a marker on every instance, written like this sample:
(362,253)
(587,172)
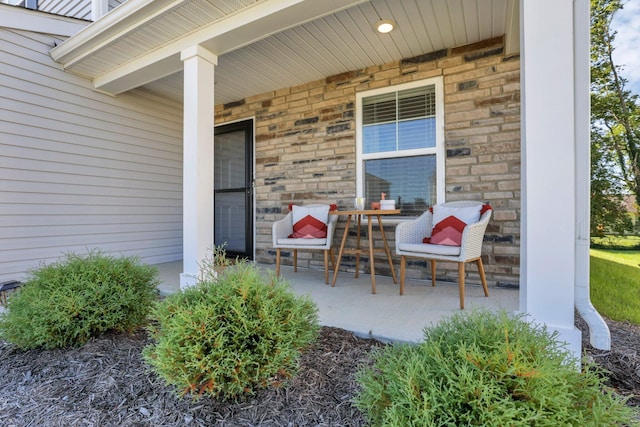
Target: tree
(608,212)
(615,126)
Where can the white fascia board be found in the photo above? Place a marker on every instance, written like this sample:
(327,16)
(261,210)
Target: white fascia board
(233,32)
(137,73)
(19,18)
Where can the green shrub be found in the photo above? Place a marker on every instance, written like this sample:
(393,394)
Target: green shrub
(230,335)
(78,297)
(616,242)
(485,369)
(215,263)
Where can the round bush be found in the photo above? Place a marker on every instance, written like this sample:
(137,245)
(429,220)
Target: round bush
(68,302)
(232,335)
(485,369)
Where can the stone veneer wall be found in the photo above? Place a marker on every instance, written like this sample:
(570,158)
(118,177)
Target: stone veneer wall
(306,149)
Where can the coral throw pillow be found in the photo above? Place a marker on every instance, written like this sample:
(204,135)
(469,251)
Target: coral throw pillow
(450,223)
(310,222)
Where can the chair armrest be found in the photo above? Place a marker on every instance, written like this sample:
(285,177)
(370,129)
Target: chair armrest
(281,229)
(331,228)
(415,230)
(472,237)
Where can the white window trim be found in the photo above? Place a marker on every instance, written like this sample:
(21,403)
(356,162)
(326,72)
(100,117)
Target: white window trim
(438,150)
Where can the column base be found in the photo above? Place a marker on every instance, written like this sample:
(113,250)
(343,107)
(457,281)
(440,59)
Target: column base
(573,339)
(187,280)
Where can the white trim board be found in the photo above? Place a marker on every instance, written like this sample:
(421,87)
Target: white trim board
(19,18)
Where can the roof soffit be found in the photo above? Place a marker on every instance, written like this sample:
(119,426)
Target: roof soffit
(156,31)
(279,43)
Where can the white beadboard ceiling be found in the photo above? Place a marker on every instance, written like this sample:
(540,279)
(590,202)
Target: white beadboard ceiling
(308,41)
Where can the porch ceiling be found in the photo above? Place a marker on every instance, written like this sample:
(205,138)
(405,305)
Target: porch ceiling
(265,45)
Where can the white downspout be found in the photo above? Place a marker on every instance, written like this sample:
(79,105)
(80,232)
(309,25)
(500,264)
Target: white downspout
(600,336)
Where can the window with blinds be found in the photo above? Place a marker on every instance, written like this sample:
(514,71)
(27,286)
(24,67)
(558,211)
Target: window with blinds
(399,145)
(402,120)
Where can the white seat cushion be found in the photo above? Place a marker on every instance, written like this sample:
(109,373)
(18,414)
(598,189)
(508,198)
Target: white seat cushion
(302,242)
(468,215)
(426,248)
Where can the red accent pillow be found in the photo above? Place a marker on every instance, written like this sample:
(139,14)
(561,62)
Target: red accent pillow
(449,223)
(448,232)
(310,222)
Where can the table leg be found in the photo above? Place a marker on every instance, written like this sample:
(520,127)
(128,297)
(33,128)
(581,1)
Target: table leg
(344,240)
(386,248)
(371,257)
(358,248)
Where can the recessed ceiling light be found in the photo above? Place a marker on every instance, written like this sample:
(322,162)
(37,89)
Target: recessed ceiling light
(385,26)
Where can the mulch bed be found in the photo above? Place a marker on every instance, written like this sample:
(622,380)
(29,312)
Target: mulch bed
(106,383)
(622,362)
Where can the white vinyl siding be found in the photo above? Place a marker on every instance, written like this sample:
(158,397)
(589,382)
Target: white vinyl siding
(115,3)
(80,170)
(80,9)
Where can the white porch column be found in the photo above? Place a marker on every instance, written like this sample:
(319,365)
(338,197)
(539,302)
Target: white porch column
(99,8)
(549,117)
(197,184)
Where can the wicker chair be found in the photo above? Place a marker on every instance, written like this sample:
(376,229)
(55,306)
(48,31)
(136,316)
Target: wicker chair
(282,229)
(409,237)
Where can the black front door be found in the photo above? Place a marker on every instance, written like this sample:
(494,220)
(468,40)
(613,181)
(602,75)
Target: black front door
(233,188)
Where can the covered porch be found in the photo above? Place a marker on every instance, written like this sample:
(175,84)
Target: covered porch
(387,315)
(510,79)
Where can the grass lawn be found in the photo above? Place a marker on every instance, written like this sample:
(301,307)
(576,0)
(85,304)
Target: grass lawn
(615,284)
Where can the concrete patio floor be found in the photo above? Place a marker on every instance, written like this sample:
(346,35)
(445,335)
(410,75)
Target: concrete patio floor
(387,315)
